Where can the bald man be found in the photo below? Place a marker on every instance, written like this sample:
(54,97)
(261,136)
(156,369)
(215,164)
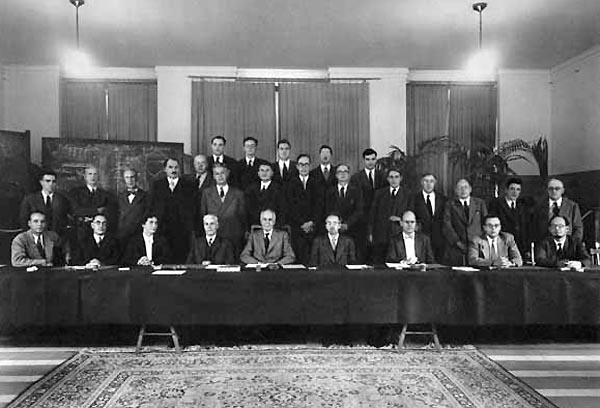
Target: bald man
(210,248)
(556,204)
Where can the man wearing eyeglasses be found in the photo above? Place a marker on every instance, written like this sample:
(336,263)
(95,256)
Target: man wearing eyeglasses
(410,247)
(557,204)
(561,249)
(494,247)
(98,248)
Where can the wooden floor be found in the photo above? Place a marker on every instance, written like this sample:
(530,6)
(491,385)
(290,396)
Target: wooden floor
(568,375)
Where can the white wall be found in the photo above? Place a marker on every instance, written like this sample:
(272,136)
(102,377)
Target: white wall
(575,139)
(31,102)
(524,110)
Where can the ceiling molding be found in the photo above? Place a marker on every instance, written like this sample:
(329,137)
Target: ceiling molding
(448,76)
(275,73)
(368,73)
(113,73)
(572,63)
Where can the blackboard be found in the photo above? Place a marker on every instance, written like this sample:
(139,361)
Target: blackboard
(69,158)
(14,175)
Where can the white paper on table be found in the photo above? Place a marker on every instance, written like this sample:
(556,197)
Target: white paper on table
(293,266)
(465,269)
(255,265)
(214,266)
(229,268)
(169,272)
(399,265)
(356,267)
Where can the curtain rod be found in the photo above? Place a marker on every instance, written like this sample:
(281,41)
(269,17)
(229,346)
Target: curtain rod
(283,79)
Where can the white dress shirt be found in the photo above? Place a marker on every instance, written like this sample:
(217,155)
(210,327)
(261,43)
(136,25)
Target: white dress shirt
(265,184)
(218,159)
(409,245)
(148,241)
(281,163)
(172,182)
(465,200)
(98,238)
(431,198)
(333,240)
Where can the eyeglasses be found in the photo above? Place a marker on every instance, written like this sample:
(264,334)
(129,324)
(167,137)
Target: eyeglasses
(342,171)
(554,188)
(303,164)
(493,225)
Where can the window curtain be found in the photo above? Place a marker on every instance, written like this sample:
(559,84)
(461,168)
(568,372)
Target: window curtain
(83,110)
(132,111)
(235,110)
(337,114)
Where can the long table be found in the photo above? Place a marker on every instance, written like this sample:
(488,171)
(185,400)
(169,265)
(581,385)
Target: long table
(521,296)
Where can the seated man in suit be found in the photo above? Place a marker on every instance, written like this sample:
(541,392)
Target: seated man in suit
(410,247)
(268,245)
(98,248)
(147,248)
(494,247)
(37,246)
(333,248)
(210,248)
(561,249)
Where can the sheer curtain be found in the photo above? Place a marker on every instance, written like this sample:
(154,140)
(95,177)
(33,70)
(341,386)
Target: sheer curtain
(83,110)
(132,111)
(337,114)
(234,110)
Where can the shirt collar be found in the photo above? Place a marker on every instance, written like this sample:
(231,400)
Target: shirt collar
(509,201)
(45,194)
(325,166)
(265,232)
(91,188)
(331,237)
(282,162)
(490,239)
(463,200)
(407,236)
(265,184)
(425,194)
(551,202)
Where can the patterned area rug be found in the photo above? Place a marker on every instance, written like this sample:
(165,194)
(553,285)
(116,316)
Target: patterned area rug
(280,378)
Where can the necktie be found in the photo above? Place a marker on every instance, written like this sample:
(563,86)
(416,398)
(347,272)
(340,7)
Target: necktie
(326,173)
(210,241)
(493,251)
(371,180)
(267,242)
(512,205)
(92,192)
(334,243)
(304,182)
(284,172)
(40,247)
(394,192)
(429,206)
(263,189)
(559,251)
(250,164)
(48,203)
(99,241)
(466,209)
(555,209)
(171,185)
(343,192)
(221,192)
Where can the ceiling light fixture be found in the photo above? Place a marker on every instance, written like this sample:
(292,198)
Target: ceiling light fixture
(77,62)
(484,60)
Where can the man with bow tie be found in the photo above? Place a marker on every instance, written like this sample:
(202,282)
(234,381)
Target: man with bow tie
(268,245)
(37,246)
(561,249)
(211,248)
(409,246)
(98,248)
(494,247)
(133,204)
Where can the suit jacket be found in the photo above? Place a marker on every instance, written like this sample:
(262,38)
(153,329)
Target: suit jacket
(303,205)
(257,200)
(318,175)
(108,252)
(322,253)
(279,250)
(84,204)
(231,212)
(361,180)
(24,252)
(292,172)
(350,208)
(131,215)
(231,164)
(199,188)
(384,206)
(429,225)
(175,209)
(517,221)
(136,248)
(480,250)
(249,175)
(57,221)
(458,228)
(573,250)
(219,253)
(397,249)
(569,209)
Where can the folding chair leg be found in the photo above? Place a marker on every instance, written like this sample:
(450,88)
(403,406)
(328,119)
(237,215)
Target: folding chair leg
(175,338)
(402,337)
(171,333)
(140,338)
(436,339)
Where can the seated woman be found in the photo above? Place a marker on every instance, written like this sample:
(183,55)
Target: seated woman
(147,248)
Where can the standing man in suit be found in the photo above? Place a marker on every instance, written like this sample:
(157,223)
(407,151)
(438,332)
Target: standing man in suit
(172,200)
(147,248)
(410,247)
(386,214)
(557,204)
(304,207)
(285,168)
(228,204)
(325,173)
(89,200)
(368,180)
(346,200)
(264,194)
(48,201)
(494,247)
(463,220)
(98,248)
(133,205)
(333,248)
(217,144)
(514,214)
(428,206)
(202,177)
(561,249)
(268,245)
(248,166)
(38,247)
(211,248)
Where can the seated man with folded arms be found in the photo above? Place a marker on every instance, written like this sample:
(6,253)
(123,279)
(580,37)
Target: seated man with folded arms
(37,246)
(333,248)
(409,246)
(561,249)
(98,248)
(268,245)
(494,247)
(211,248)
(147,248)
